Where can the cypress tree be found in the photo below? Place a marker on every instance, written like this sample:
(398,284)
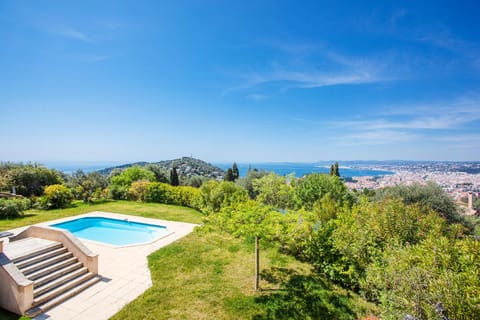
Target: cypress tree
(174,177)
(336,171)
(229,175)
(235,172)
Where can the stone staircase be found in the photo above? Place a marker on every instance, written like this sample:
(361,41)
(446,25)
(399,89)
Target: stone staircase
(57,276)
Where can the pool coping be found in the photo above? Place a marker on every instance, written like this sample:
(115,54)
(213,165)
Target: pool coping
(124,272)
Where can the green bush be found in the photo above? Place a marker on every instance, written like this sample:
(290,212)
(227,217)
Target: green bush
(117,192)
(344,247)
(28,180)
(158,192)
(12,208)
(316,185)
(430,195)
(215,195)
(56,196)
(179,195)
(138,190)
(415,279)
(129,175)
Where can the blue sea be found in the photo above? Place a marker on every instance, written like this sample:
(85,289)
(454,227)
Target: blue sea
(281,168)
(301,169)
(71,167)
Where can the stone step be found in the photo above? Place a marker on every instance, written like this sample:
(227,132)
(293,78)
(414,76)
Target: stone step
(56,274)
(45,263)
(40,257)
(42,308)
(37,252)
(39,290)
(51,268)
(37,300)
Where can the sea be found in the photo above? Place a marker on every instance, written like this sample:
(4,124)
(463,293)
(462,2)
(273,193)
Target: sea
(301,169)
(281,168)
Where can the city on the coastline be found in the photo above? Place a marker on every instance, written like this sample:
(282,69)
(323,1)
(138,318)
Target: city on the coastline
(459,179)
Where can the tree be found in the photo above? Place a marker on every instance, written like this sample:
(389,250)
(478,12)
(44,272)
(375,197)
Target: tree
(235,172)
(216,195)
(85,186)
(29,180)
(229,175)
(251,220)
(315,186)
(121,182)
(174,177)
(247,181)
(56,196)
(161,175)
(334,170)
(274,190)
(129,175)
(430,195)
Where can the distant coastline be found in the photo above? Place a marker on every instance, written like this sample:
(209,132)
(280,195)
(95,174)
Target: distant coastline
(360,168)
(281,168)
(301,169)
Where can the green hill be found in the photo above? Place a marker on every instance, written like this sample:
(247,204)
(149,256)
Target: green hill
(186,167)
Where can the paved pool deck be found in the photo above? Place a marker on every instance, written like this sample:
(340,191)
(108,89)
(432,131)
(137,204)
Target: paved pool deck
(124,271)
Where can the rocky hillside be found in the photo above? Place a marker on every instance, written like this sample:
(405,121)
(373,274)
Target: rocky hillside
(186,167)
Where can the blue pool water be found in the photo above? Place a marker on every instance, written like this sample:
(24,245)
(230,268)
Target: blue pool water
(113,231)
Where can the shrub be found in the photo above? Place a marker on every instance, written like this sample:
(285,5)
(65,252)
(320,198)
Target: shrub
(158,192)
(117,192)
(12,208)
(344,247)
(132,174)
(274,190)
(56,196)
(416,279)
(29,180)
(215,195)
(179,195)
(316,185)
(430,195)
(138,190)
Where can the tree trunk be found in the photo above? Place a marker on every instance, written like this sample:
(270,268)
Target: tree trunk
(257,263)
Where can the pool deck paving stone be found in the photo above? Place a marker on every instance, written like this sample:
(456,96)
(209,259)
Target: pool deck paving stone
(124,271)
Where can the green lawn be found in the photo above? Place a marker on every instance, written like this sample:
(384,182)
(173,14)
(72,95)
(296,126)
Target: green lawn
(209,275)
(149,210)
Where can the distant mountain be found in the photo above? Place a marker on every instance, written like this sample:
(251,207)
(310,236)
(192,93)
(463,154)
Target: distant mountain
(186,166)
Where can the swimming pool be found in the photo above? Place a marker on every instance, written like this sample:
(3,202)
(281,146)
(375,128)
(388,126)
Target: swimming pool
(113,231)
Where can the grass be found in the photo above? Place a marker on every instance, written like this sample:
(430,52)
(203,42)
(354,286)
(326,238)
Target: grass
(209,275)
(148,210)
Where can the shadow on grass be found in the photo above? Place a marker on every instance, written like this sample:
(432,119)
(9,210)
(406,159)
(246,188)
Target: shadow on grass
(20,217)
(302,297)
(6,315)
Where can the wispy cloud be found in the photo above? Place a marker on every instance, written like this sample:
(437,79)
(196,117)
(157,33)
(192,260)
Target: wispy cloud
(438,122)
(72,33)
(311,79)
(330,69)
(436,116)
(375,137)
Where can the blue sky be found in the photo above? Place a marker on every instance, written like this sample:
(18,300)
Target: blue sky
(244,81)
